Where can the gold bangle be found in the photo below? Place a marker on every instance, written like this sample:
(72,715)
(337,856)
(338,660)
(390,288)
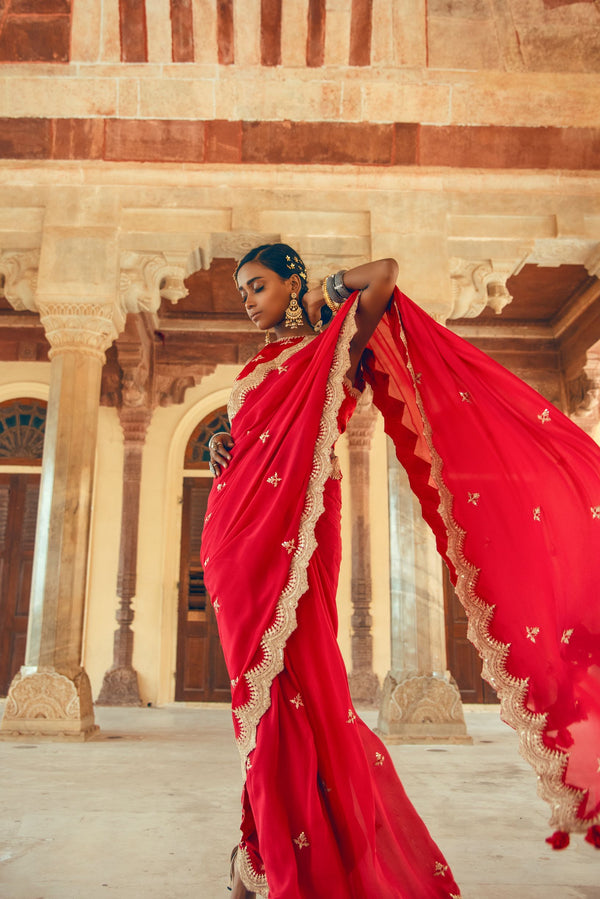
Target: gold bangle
(335,307)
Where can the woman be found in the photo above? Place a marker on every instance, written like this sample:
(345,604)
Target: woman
(324,814)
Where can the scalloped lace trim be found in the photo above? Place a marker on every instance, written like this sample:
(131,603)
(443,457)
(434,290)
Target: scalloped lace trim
(260,678)
(549,764)
(256,883)
(242,388)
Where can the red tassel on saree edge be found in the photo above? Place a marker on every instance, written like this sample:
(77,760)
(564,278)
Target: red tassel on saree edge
(559,839)
(593,836)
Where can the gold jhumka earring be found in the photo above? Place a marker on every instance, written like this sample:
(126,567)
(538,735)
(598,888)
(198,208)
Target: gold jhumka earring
(293,313)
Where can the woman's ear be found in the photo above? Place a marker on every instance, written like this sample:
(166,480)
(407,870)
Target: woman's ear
(295,283)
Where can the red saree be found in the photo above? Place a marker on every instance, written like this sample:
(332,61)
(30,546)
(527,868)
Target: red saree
(324,814)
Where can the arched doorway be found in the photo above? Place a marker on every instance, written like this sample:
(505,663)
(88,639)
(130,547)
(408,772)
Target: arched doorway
(201,672)
(22,426)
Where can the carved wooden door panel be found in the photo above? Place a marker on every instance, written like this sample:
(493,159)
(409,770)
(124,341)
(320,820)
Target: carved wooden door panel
(463,660)
(18,514)
(201,672)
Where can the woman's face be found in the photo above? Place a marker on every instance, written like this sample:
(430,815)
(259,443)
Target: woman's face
(264,293)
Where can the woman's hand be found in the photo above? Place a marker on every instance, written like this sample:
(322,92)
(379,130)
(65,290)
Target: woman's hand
(218,447)
(313,301)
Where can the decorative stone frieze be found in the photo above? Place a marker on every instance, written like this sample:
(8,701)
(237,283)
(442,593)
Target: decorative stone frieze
(20,270)
(476,285)
(228,245)
(145,278)
(551,252)
(87,328)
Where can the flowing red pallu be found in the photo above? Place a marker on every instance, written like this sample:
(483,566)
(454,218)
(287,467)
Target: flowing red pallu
(511,489)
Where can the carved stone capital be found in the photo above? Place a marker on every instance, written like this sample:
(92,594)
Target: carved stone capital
(87,328)
(146,277)
(45,703)
(421,708)
(584,392)
(476,285)
(20,271)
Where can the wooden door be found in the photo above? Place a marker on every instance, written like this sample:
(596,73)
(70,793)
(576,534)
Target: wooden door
(18,514)
(463,660)
(201,672)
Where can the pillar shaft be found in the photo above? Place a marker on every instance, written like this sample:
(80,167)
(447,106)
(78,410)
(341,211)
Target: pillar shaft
(364,684)
(51,696)
(420,701)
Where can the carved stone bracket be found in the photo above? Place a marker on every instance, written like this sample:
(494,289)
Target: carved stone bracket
(476,285)
(87,328)
(20,278)
(145,278)
(584,392)
(421,708)
(44,703)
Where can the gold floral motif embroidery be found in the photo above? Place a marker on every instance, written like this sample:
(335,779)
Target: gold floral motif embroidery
(418,377)
(544,416)
(264,436)
(217,605)
(465,396)
(532,633)
(595,510)
(336,471)
(440,870)
(379,759)
(281,369)
(260,678)
(474,498)
(351,717)
(206,561)
(248,764)
(289,545)
(222,485)
(235,681)
(566,635)
(301,841)
(274,480)
(537,513)
(297,701)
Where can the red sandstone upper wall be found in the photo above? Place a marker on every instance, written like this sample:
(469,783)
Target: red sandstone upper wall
(505,35)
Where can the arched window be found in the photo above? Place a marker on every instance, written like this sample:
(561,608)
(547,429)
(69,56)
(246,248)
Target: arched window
(22,427)
(196,451)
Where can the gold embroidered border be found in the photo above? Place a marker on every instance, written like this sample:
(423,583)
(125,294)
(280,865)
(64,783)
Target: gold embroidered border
(256,883)
(260,678)
(549,764)
(242,388)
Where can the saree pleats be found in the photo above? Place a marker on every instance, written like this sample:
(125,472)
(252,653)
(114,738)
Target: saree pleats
(322,792)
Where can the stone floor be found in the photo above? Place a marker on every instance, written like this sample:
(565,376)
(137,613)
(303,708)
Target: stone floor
(149,810)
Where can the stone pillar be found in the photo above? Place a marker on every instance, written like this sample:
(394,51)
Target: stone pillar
(75,291)
(120,684)
(421,703)
(51,695)
(364,684)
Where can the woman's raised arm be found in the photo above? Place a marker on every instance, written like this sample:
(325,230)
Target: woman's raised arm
(376,280)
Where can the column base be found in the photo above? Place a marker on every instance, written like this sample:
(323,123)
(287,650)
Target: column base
(120,687)
(364,688)
(421,708)
(43,703)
